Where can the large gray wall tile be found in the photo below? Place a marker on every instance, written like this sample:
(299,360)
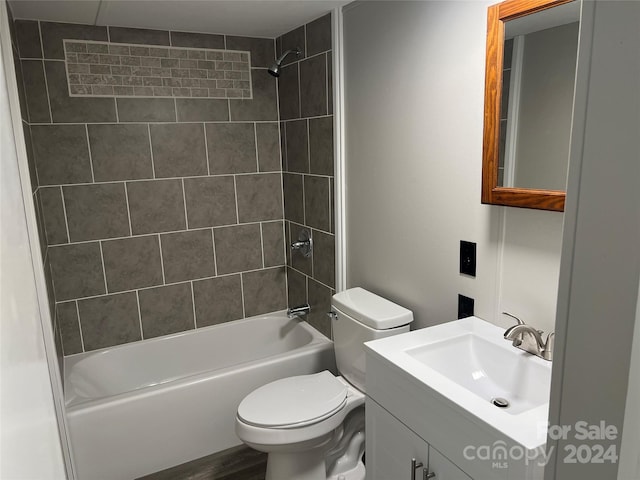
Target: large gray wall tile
(293,197)
(268,138)
(296,288)
(324,258)
(36,91)
(297,260)
(96,211)
(178,150)
(202,110)
(264,291)
(61,154)
(264,105)
(146,110)
(293,39)
(54,33)
(313,86)
(238,248)
(166,310)
(321,145)
(138,35)
(28,37)
(319,35)
(218,300)
(231,147)
(273,243)
(289,93)
(109,320)
(297,147)
(316,202)
(211,201)
(132,263)
(76,270)
(53,213)
(262,49)
(259,197)
(120,152)
(156,206)
(197,40)
(66,109)
(67,317)
(320,303)
(187,255)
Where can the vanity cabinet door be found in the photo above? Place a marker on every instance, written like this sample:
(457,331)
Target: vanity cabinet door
(443,468)
(391,446)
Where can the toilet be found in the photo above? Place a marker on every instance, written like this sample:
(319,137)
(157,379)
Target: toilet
(312,426)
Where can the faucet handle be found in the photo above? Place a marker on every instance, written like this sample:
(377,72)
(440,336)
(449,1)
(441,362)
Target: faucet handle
(520,322)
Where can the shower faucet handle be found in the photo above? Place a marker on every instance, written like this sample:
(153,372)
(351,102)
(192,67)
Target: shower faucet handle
(304,244)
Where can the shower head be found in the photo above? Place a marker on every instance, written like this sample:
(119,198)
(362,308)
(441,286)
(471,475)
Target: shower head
(275,68)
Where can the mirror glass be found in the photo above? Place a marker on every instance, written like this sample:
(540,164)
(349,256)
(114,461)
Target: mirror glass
(538,77)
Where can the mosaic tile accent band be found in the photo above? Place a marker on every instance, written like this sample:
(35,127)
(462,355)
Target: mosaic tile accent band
(103,69)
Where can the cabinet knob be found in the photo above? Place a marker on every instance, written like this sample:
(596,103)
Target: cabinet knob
(414,466)
(426,474)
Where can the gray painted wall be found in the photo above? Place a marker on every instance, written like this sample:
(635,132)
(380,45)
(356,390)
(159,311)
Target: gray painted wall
(414,90)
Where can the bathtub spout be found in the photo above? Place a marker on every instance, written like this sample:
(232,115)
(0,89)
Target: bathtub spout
(298,311)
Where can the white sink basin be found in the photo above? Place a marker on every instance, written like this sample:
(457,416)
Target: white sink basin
(469,363)
(495,373)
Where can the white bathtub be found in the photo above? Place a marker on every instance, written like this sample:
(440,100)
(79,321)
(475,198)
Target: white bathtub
(139,408)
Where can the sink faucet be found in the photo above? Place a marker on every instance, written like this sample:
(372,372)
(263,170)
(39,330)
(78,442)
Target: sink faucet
(529,339)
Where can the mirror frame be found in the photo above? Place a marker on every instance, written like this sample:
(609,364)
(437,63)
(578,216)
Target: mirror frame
(493,194)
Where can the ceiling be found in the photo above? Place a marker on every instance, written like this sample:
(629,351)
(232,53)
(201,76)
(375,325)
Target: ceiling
(256,18)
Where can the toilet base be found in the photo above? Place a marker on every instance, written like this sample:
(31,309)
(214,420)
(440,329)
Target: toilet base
(307,465)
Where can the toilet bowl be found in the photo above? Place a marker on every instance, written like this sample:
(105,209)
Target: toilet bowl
(312,426)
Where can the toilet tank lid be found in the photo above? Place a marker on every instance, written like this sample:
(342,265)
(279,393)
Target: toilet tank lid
(371,310)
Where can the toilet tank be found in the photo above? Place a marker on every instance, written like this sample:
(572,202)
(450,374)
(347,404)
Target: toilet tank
(361,316)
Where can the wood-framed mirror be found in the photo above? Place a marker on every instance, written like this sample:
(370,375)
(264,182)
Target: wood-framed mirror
(529,84)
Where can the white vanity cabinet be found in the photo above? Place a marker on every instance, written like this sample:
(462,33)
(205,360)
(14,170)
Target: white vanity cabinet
(391,446)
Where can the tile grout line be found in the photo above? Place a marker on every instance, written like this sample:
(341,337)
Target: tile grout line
(262,244)
(89,297)
(206,148)
(193,304)
(139,314)
(104,270)
(235,196)
(299,91)
(308,145)
(66,222)
(184,201)
(153,165)
(93,177)
(244,312)
(138,122)
(215,175)
(255,139)
(140,235)
(44,72)
(164,280)
(215,259)
(79,327)
(126,198)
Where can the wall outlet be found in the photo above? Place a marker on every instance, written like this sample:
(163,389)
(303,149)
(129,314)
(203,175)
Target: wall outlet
(465,306)
(468,258)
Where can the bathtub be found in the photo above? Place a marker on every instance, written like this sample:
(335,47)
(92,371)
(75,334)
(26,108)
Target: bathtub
(142,407)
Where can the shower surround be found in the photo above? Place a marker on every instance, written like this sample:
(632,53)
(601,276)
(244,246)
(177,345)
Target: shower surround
(162,215)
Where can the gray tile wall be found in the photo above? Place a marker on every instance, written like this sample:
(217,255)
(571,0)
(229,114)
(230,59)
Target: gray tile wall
(157,215)
(306,125)
(25,79)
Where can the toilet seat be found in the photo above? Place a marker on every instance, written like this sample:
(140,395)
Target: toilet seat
(294,402)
